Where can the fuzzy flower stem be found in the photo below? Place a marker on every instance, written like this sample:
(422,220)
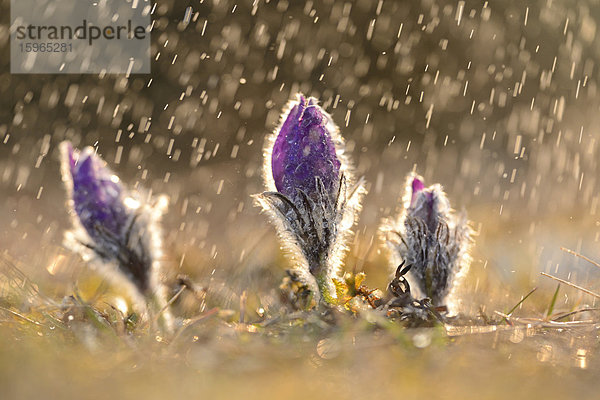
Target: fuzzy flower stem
(324,285)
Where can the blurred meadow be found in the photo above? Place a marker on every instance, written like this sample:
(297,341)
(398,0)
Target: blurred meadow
(497,101)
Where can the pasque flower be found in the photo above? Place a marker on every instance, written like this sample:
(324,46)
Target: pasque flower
(431,238)
(112,226)
(312,196)
(304,155)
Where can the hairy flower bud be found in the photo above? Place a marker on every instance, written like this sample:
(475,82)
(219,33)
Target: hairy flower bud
(431,238)
(312,197)
(304,150)
(97,194)
(112,226)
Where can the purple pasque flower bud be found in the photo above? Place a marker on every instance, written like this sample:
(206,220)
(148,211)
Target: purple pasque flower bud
(431,238)
(417,186)
(97,194)
(425,203)
(304,150)
(312,196)
(112,226)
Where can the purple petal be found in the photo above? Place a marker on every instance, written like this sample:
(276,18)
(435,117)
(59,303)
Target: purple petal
(304,150)
(97,194)
(417,186)
(422,203)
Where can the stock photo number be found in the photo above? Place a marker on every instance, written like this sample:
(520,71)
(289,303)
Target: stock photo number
(33,47)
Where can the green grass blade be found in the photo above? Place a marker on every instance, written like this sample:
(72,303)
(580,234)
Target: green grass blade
(519,303)
(553,302)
